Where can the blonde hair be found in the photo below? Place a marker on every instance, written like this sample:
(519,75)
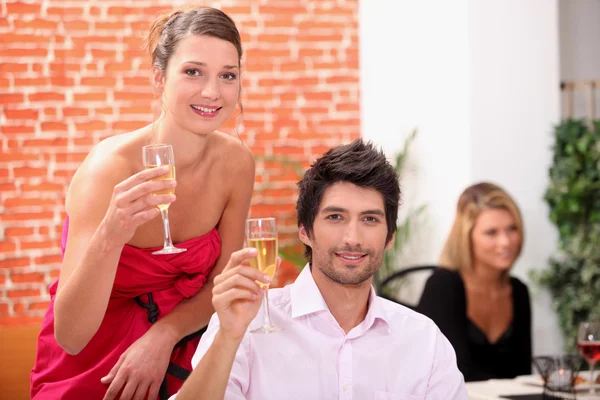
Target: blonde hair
(458,250)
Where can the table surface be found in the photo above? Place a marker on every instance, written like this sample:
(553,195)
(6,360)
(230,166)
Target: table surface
(495,388)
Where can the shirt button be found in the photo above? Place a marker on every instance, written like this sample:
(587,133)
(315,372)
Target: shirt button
(345,388)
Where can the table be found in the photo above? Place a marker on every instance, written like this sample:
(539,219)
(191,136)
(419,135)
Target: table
(494,388)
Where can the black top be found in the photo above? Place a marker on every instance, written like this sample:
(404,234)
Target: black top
(444,301)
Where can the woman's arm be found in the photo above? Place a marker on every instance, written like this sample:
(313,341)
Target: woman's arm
(523,305)
(96,238)
(444,301)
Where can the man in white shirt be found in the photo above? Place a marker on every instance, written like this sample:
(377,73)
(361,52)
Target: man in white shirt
(339,340)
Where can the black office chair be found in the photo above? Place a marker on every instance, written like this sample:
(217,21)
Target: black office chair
(391,286)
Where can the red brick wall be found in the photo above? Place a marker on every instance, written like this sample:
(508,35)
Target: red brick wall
(72,72)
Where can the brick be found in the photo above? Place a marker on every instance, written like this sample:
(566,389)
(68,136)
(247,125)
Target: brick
(21,52)
(67,54)
(134,96)
(83,141)
(85,97)
(136,81)
(121,11)
(65,11)
(45,215)
(59,69)
(46,143)
(32,277)
(13,67)
(4,309)
(134,110)
(112,66)
(18,231)
(41,306)
(46,244)
(14,262)
(16,157)
(46,96)
(75,112)
(43,187)
(21,114)
(103,82)
(49,259)
(12,98)
(20,38)
(90,126)
(8,247)
(20,293)
(28,172)
(104,111)
(77,25)
(62,81)
(53,126)
(108,26)
(20,82)
(282,10)
(37,24)
(17,129)
(18,202)
(70,157)
(19,8)
(99,53)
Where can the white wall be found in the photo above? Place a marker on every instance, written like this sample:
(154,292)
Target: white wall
(479,79)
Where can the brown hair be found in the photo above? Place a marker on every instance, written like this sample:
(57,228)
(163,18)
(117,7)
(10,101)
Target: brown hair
(458,250)
(169,28)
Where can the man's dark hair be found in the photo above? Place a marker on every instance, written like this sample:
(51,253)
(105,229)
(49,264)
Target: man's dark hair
(359,163)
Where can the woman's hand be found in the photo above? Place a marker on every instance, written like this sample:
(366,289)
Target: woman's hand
(133,203)
(141,368)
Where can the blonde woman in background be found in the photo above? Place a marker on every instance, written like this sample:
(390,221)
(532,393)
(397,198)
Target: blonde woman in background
(483,311)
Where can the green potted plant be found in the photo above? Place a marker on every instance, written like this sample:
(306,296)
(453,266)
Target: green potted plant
(573,196)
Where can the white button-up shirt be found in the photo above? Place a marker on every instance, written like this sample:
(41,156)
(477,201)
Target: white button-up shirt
(395,353)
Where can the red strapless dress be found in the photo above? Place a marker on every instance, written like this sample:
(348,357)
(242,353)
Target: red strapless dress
(168,279)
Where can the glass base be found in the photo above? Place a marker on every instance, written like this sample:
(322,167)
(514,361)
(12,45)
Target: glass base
(169,250)
(267,329)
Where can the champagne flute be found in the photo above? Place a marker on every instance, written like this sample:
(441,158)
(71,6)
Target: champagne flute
(261,233)
(588,344)
(156,155)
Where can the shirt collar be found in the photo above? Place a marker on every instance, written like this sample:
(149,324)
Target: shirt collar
(305,295)
(306,299)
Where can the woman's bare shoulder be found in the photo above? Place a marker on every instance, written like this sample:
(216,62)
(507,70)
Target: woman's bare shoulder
(237,154)
(108,163)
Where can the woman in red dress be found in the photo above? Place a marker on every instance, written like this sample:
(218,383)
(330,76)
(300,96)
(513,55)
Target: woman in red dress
(121,321)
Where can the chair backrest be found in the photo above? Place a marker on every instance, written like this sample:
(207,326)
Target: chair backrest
(394,286)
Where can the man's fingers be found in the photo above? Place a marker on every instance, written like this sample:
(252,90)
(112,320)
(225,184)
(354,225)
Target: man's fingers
(240,256)
(225,299)
(239,281)
(248,272)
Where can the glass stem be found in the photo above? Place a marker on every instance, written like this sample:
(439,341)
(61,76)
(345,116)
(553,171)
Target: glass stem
(164,213)
(267,314)
(592,365)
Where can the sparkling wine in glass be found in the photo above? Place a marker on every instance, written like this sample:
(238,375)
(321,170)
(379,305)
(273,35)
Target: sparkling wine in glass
(158,155)
(261,233)
(588,344)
